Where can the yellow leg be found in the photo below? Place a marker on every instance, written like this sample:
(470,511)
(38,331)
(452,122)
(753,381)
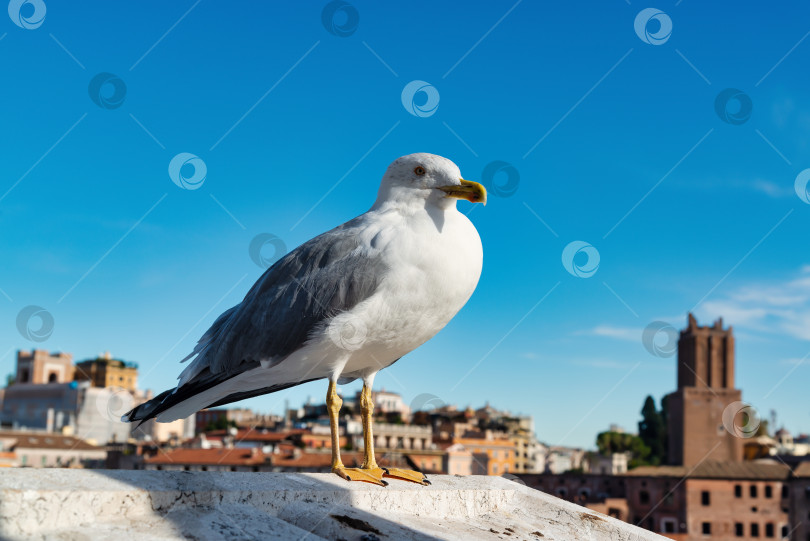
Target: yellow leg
(367,411)
(333,403)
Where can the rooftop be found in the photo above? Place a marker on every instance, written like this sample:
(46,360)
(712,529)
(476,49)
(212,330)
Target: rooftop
(717,470)
(802,470)
(45,440)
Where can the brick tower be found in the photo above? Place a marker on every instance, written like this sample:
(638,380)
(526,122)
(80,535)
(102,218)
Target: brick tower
(705,388)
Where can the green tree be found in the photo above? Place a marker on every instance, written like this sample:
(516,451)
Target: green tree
(762,429)
(619,442)
(652,431)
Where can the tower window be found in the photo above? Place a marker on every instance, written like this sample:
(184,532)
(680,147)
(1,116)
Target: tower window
(738,491)
(753,491)
(769,530)
(706,528)
(768,491)
(739,531)
(754,530)
(705,498)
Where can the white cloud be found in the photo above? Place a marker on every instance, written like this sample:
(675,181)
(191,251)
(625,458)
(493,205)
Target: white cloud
(772,189)
(770,307)
(630,334)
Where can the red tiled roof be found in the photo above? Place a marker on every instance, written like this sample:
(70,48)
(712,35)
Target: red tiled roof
(222,457)
(40,440)
(317,460)
(250,434)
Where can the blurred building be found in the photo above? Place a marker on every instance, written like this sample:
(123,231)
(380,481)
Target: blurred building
(458,460)
(386,403)
(399,436)
(86,400)
(705,389)
(46,450)
(710,493)
(499,451)
(800,502)
(713,500)
(614,463)
(40,367)
(105,371)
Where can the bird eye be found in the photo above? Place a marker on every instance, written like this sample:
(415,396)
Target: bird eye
(419,170)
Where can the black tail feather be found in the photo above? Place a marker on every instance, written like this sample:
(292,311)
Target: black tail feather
(172,397)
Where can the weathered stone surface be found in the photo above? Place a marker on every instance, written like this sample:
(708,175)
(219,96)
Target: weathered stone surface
(74,505)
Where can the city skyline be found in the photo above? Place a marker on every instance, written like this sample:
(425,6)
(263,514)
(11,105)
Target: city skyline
(602,136)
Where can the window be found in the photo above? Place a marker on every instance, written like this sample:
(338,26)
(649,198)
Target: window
(754,530)
(738,491)
(705,498)
(739,531)
(753,491)
(644,496)
(785,492)
(706,528)
(768,491)
(769,530)
(668,525)
(494,468)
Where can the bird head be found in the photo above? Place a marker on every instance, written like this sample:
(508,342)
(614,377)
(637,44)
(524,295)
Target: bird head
(428,178)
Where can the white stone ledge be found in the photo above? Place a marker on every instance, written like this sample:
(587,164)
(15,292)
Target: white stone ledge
(122,505)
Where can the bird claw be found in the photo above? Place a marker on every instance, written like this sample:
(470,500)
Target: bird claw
(371,475)
(406,475)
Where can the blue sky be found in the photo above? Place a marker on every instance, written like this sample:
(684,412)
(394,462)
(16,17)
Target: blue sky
(612,141)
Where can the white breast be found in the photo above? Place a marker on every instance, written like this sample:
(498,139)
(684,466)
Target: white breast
(434,269)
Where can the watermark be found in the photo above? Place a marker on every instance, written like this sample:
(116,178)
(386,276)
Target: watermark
(340,18)
(113,402)
(187,171)
(35,323)
(733,106)
(426,402)
(424,93)
(28,14)
(501,178)
(107,90)
(265,249)
(660,339)
(801,185)
(348,332)
(580,259)
(741,420)
(653,26)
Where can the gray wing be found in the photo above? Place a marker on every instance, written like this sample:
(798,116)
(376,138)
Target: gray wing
(318,280)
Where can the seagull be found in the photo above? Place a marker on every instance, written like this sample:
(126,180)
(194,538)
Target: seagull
(343,306)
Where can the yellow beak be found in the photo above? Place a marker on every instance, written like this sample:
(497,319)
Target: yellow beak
(469,190)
